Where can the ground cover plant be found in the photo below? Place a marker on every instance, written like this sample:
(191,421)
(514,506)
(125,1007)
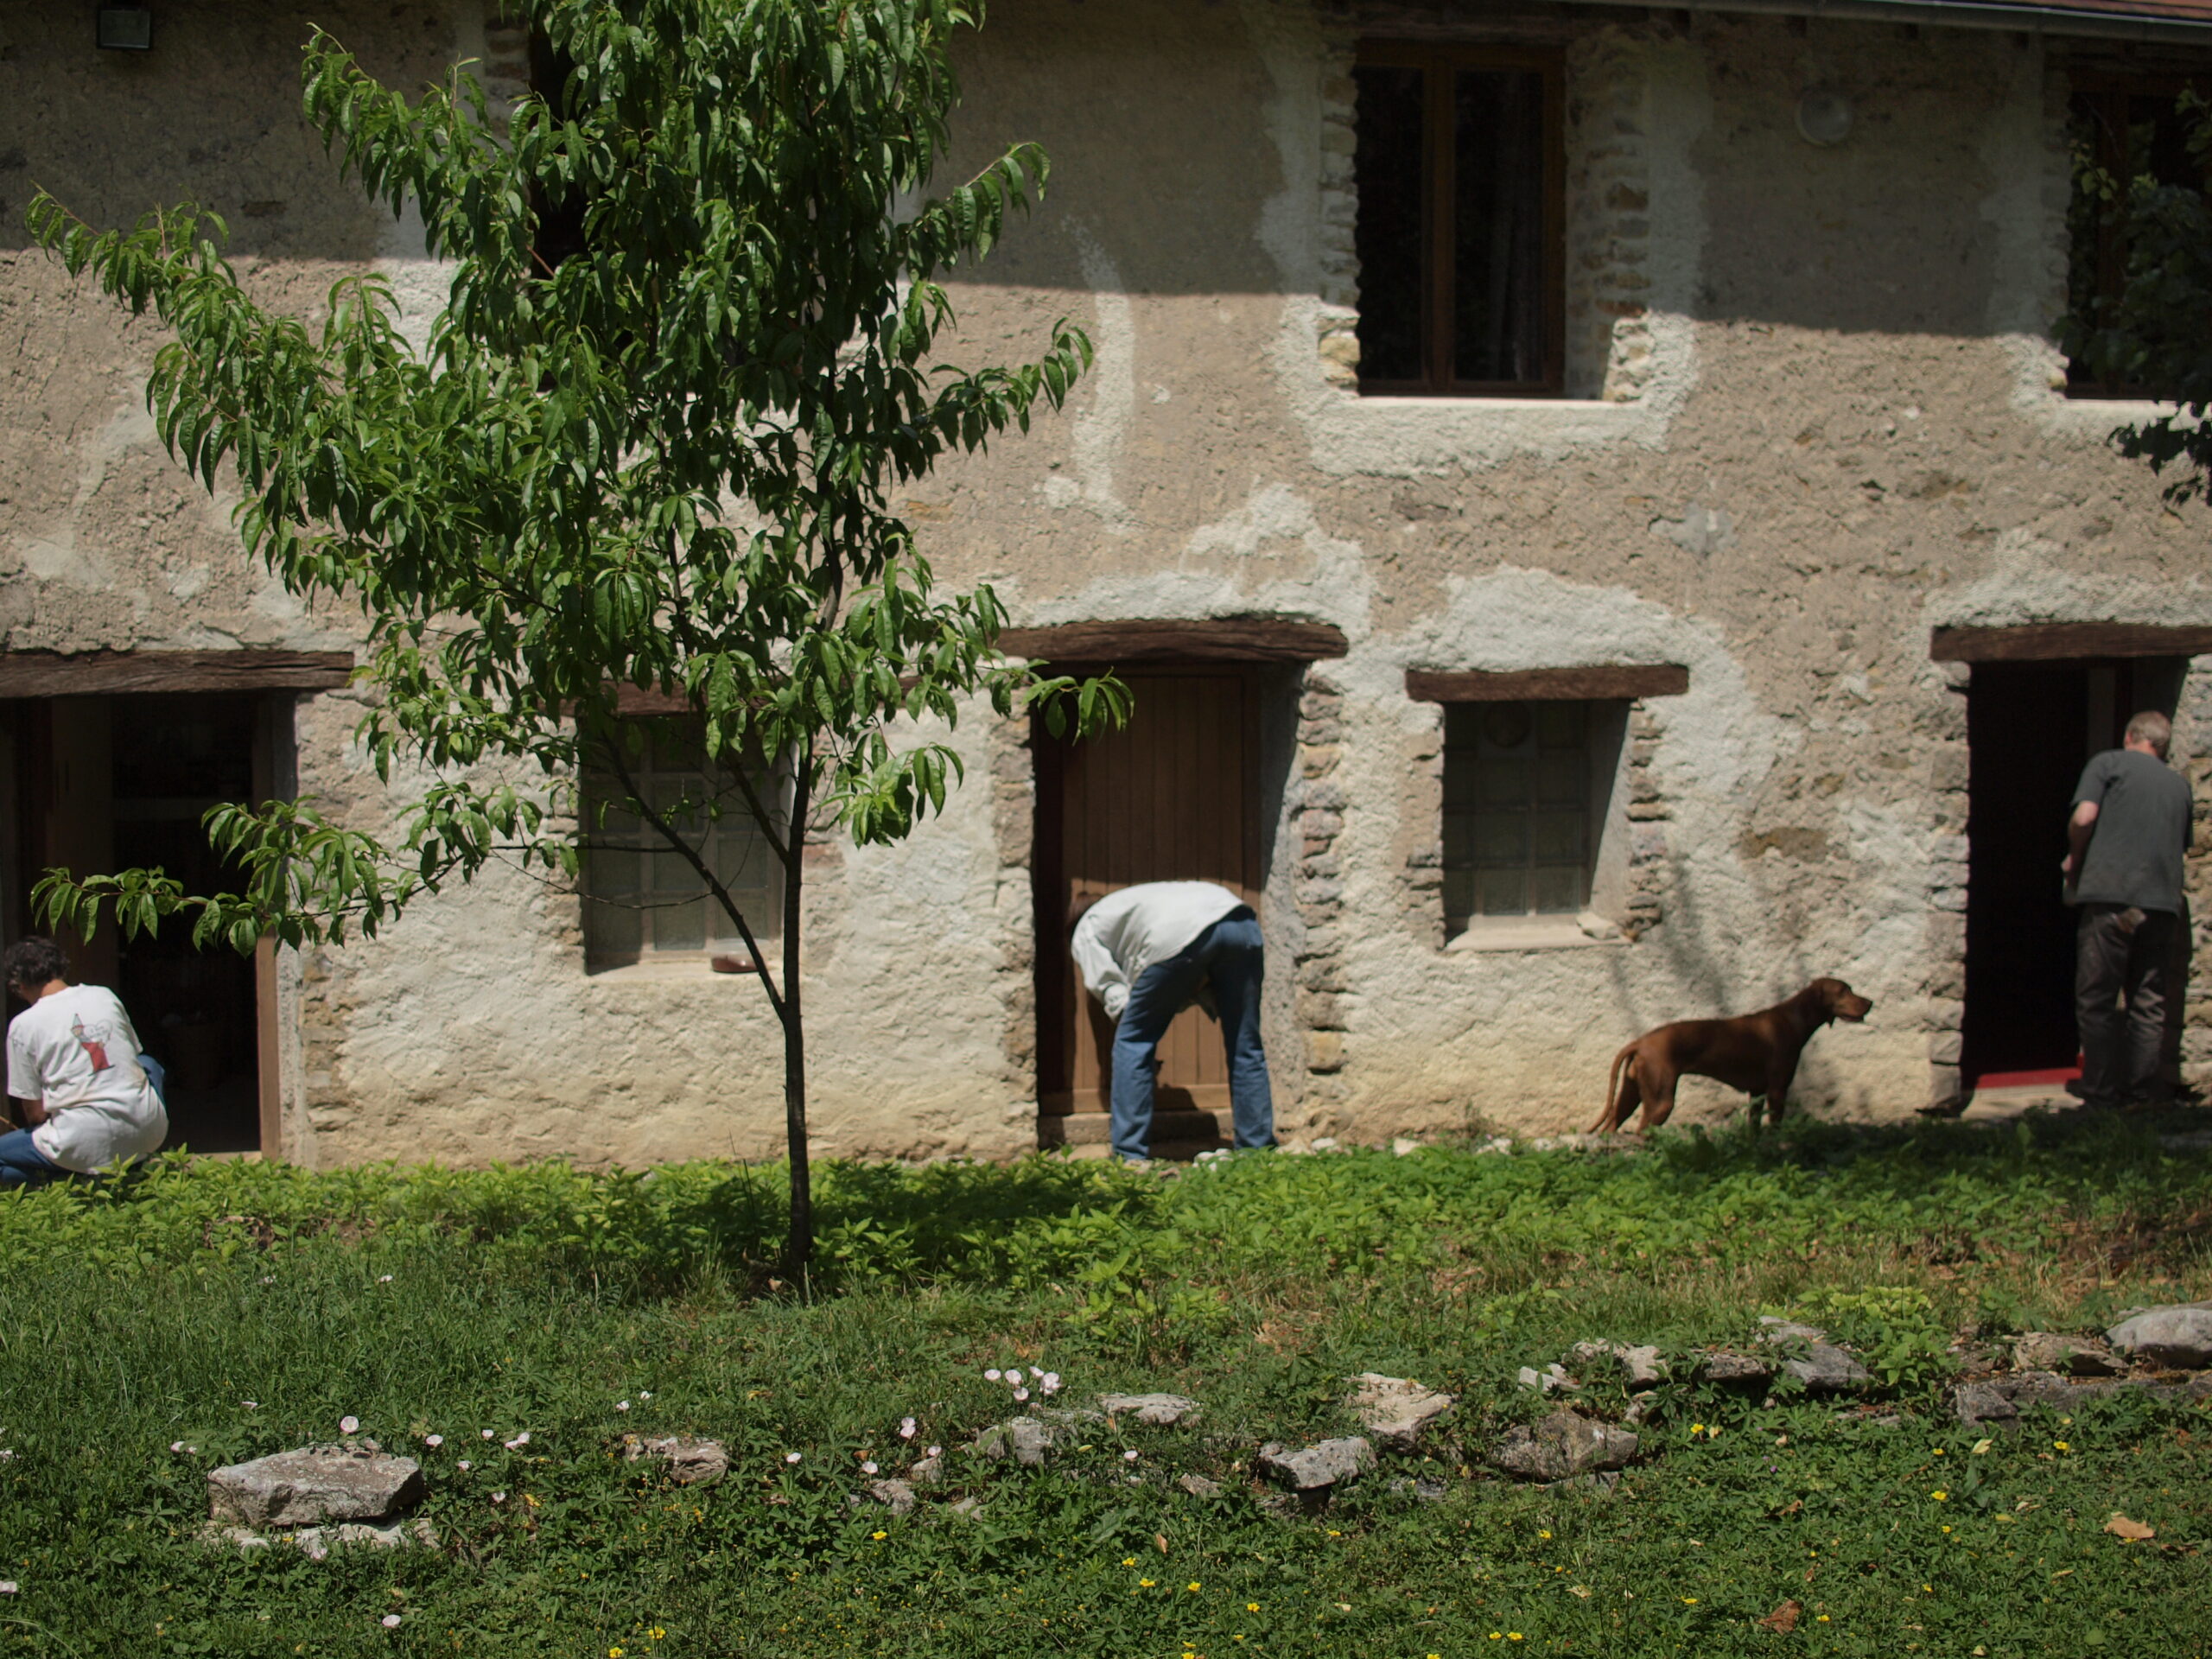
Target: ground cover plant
(508,1327)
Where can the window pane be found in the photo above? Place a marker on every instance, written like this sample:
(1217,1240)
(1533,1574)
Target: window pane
(611,874)
(1555,837)
(1388,234)
(614,932)
(681,927)
(1497,136)
(1504,783)
(1556,891)
(1459,894)
(1502,840)
(1501,893)
(1561,778)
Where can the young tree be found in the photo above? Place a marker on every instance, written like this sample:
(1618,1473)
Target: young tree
(2140,278)
(663,462)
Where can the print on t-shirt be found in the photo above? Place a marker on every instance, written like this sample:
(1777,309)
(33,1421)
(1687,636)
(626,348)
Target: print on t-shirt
(95,1050)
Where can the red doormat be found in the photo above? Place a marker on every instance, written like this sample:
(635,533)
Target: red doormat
(2055,1077)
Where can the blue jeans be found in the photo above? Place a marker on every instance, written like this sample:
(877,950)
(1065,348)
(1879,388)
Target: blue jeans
(21,1164)
(1230,956)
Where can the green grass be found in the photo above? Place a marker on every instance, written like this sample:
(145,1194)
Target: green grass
(150,1312)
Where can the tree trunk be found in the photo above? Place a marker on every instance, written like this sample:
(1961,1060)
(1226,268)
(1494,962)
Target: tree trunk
(798,1246)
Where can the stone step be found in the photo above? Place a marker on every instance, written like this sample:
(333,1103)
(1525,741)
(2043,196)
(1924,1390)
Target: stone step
(1201,1131)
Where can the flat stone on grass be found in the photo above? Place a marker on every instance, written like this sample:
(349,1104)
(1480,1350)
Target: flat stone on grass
(1562,1445)
(1396,1409)
(1152,1410)
(2047,1351)
(1325,1464)
(2178,1337)
(690,1463)
(316,1485)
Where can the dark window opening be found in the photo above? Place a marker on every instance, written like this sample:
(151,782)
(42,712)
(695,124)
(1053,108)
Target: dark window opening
(1460,228)
(560,223)
(1527,786)
(2127,130)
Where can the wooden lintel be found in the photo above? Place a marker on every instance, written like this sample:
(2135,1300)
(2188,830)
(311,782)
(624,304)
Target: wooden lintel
(1199,640)
(2050,642)
(1604,680)
(105,673)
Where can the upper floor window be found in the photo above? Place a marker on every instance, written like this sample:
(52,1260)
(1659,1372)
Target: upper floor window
(1460,233)
(643,899)
(2123,129)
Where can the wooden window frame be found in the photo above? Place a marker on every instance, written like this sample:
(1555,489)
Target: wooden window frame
(1438,62)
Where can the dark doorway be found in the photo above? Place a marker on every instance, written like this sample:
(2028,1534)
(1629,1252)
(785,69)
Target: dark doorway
(105,783)
(1174,795)
(2031,727)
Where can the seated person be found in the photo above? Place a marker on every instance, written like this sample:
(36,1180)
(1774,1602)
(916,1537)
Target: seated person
(90,1099)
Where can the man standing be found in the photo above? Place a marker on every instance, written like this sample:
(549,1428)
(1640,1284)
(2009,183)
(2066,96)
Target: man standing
(75,1073)
(1148,952)
(2125,841)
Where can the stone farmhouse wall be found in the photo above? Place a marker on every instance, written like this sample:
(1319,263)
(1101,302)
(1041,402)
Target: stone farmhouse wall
(1812,413)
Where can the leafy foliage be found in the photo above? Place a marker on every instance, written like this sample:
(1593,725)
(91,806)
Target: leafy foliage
(2150,330)
(664,464)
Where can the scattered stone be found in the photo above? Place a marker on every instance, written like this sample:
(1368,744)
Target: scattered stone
(928,1472)
(1326,1462)
(690,1463)
(2177,1337)
(966,1506)
(1826,1369)
(1778,1329)
(1562,1445)
(895,1496)
(2045,1351)
(1405,1146)
(1724,1367)
(1495,1144)
(1429,1490)
(1982,1403)
(317,1543)
(1152,1410)
(1026,1439)
(1198,1486)
(1641,1366)
(1553,1377)
(314,1486)
(1394,1410)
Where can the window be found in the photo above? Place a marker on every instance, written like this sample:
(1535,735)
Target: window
(2126,128)
(1460,229)
(1527,786)
(642,899)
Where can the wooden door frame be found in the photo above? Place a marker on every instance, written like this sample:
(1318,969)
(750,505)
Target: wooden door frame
(1056,999)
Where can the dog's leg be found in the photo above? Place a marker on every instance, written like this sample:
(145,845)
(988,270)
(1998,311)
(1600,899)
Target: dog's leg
(1620,1101)
(1657,1082)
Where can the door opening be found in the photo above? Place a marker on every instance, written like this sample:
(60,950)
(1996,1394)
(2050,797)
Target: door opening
(2031,727)
(1174,795)
(120,782)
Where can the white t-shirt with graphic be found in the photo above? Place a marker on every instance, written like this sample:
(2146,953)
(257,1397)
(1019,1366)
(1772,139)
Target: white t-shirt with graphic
(76,1051)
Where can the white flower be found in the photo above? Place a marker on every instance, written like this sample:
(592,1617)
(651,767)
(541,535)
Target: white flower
(790,1457)
(391,1621)
(1022,1394)
(645,1394)
(905,1428)
(936,1451)
(250,1405)
(488,1434)
(348,1425)
(1130,1456)
(868,1467)
(498,1497)
(465,1464)
(991,1376)
(385,1278)
(1036,1375)
(8,1586)
(1051,1382)
(434,1441)
(176,1446)
(621,1405)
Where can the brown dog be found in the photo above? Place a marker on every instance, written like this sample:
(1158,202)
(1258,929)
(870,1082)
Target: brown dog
(1754,1052)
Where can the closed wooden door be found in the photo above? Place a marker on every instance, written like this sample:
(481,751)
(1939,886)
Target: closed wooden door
(1172,797)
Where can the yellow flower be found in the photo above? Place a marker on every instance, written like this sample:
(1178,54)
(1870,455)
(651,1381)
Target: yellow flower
(1251,1606)
(1697,1428)
(1947,1528)
(1513,1635)
(1496,1637)
(615,1653)
(879,1535)
(1689,1601)
(1192,1584)
(656,1633)
(1939,1494)
(1146,1584)
(1821,1618)
(2061,1445)
(1540,1533)
(1128,1561)
(1939,1450)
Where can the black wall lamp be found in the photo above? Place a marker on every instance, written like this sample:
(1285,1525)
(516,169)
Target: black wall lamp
(126,29)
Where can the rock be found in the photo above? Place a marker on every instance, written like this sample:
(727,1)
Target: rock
(1826,1369)
(895,1496)
(1026,1439)
(1551,1378)
(2179,1338)
(2045,1351)
(1640,1366)
(1428,1490)
(1326,1462)
(1394,1410)
(1405,1146)
(690,1463)
(314,1486)
(928,1471)
(1562,1445)
(317,1543)
(1152,1410)
(1733,1369)
(1198,1486)
(1777,1330)
(967,1506)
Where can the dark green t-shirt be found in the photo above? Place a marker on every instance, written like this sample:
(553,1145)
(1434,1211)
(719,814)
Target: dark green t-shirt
(2142,830)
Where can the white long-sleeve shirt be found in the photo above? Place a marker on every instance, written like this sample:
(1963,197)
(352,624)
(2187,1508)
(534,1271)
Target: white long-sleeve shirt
(1128,931)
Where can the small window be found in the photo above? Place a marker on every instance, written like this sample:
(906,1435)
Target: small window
(1527,786)
(2128,129)
(1460,228)
(643,899)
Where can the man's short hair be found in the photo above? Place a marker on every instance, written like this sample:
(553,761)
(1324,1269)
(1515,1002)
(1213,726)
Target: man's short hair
(33,962)
(2152,727)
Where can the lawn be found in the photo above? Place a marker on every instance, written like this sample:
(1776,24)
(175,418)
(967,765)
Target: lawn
(201,1313)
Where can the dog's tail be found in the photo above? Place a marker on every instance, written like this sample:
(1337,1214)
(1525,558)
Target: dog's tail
(1605,1119)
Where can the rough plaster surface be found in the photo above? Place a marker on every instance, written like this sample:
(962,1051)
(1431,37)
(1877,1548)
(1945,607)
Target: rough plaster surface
(1816,418)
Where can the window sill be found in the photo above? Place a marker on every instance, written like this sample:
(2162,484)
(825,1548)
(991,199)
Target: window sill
(1486,934)
(662,970)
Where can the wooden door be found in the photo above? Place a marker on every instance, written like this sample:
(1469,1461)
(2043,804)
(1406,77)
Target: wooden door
(1172,797)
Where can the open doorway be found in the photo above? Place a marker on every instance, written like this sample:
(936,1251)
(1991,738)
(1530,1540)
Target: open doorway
(118,782)
(2031,727)
(1174,796)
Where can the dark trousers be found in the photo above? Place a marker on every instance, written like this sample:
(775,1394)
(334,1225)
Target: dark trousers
(2122,951)
(1229,957)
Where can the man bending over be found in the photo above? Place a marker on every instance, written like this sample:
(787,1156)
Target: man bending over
(74,1073)
(1148,952)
